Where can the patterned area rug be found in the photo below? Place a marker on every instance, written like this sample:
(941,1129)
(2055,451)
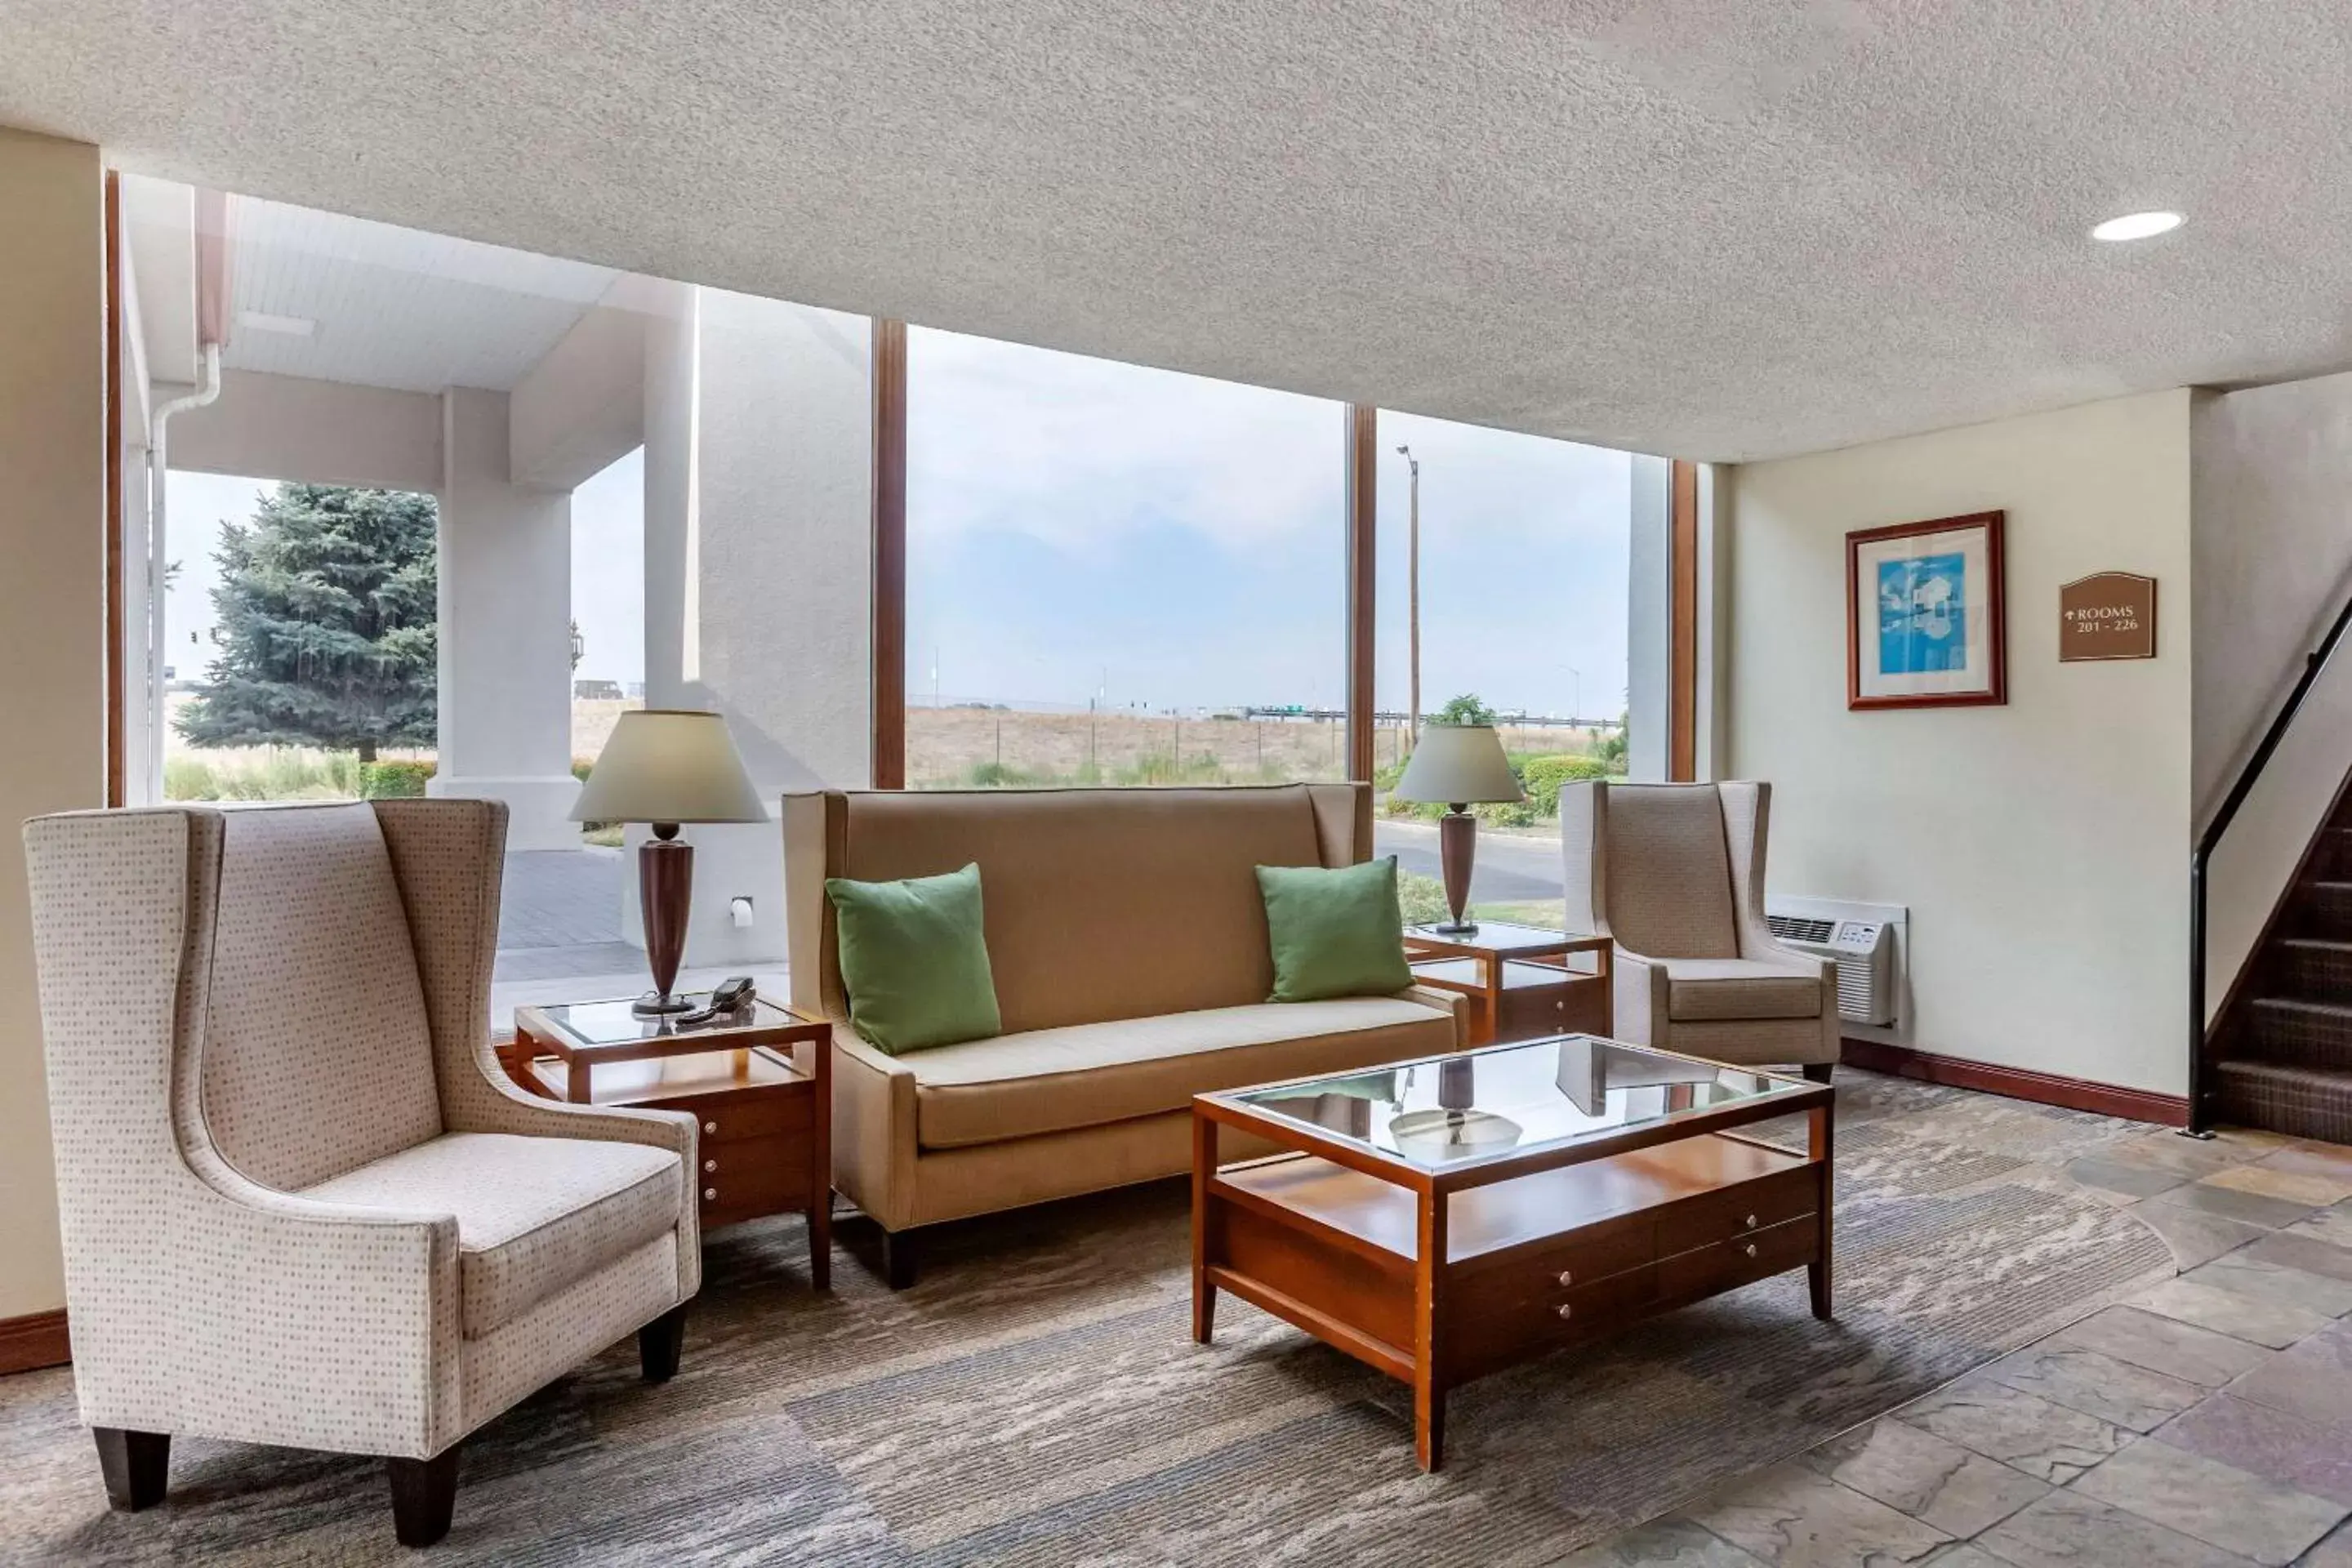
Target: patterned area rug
(1036,1398)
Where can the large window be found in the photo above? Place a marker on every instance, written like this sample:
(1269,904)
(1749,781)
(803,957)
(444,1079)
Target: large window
(1118,574)
(1521,610)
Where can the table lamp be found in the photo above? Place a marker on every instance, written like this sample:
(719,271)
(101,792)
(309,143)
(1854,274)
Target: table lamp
(665,766)
(1455,765)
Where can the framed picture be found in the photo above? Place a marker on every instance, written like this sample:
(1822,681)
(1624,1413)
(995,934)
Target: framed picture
(1923,614)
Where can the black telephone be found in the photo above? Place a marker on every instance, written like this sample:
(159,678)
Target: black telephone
(731,997)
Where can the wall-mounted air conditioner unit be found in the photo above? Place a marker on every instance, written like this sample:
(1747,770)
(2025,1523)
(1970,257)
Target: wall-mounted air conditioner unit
(1862,940)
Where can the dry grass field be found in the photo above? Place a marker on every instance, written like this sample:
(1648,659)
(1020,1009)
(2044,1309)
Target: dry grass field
(952,746)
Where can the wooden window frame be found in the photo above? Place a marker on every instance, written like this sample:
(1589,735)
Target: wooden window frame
(889,654)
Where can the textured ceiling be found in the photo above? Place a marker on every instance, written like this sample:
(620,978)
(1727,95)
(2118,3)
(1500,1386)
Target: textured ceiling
(1717,229)
(393,307)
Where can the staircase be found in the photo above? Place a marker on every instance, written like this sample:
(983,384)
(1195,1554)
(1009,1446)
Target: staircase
(2284,1046)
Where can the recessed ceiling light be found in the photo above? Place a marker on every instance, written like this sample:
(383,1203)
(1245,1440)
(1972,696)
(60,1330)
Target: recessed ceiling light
(2136,226)
(289,326)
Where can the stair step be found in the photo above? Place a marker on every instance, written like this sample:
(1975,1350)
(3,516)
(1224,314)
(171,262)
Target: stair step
(2317,969)
(2333,855)
(2292,1031)
(2324,908)
(2300,1101)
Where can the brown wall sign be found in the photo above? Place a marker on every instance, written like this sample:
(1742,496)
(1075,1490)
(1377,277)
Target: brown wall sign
(2111,615)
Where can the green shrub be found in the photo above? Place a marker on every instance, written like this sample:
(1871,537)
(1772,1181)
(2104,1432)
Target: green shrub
(1508,813)
(395,780)
(1541,777)
(1422,898)
(189,778)
(581,767)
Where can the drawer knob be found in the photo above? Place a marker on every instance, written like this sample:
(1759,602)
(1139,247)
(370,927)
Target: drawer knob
(1567,1277)
(1751,1222)
(1749,1250)
(1566,1309)
(710,1195)
(710,1127)
(710,1164)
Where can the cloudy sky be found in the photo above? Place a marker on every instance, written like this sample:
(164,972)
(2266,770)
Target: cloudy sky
(1081,529)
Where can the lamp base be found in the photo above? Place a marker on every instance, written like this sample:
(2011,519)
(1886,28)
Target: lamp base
(665,896)
(1454,928)
(1457,849)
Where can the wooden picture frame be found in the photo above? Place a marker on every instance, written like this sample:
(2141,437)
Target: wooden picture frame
(1938,636)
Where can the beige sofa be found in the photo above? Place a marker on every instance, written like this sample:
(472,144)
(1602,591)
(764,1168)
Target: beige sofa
(1128,944)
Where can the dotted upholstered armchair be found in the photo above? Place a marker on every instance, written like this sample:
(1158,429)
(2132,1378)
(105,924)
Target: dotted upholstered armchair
(1675,875)
(301,1204)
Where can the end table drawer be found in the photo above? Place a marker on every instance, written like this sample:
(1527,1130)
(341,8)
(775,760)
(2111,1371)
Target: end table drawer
(754,1114)
(746,1178)
(1738,1211)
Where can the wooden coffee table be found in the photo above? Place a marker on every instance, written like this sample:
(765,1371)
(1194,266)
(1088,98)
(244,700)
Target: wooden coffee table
(1443,1219)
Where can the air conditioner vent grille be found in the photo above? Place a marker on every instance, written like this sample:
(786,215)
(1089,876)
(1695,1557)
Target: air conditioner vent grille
(1799,928)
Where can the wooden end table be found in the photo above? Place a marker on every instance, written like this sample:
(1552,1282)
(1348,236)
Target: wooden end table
(1519,987)
(766,1120)
(1445,1219)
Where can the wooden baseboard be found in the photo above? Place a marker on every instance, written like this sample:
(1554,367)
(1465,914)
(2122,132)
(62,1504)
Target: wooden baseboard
(2018,1083)
(37,1340)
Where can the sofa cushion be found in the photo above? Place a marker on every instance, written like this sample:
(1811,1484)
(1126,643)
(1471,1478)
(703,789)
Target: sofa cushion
(914,956)
(1703,988)
(534,1215)
(1084,1075)
(1335,932)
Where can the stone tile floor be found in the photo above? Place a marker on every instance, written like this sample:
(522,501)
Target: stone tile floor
(2206,1423)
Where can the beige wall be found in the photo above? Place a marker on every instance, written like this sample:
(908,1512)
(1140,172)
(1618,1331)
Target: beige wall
(52,622)
(2040,846)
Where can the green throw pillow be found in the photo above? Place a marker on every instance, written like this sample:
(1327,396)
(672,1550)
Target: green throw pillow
(1335,934)
(914,957)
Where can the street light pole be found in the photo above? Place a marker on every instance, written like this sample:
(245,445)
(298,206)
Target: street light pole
(1413,597)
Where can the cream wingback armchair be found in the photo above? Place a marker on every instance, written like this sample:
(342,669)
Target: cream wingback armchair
(300,1204)
(1674,874)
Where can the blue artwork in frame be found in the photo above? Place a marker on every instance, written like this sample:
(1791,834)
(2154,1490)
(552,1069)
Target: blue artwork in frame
(1924,622)
(1923,604)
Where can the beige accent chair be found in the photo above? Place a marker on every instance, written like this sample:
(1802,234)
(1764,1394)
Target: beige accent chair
(1675,875)
(1127,940)
(300,1205)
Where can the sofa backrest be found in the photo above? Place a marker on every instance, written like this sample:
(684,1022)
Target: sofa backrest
(316,1056)
(1101,903)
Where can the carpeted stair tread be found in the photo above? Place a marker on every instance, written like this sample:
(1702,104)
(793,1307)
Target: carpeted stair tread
(2300,1101)
(2299,1032)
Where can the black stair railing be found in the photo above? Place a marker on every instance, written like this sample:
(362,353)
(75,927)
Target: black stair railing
(2199,1094)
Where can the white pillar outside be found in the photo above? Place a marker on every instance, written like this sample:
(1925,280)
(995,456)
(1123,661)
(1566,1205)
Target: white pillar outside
(759,483)
(505,630)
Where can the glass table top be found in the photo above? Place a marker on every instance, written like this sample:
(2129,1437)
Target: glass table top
(614,1023)
(1511,1099)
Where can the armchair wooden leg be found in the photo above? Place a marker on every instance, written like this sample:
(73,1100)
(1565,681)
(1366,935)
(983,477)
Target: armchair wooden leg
(137,1465)
(660,1342)
(899,1257)
(1817,1071)
(424,1496)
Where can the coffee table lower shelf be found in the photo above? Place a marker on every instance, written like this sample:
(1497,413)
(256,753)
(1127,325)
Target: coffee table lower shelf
(1527,1266)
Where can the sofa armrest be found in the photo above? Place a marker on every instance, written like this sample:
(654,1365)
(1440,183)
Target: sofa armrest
(1453,1004)
(873,1130)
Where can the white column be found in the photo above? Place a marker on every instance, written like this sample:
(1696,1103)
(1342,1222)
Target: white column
(758,477)
(505,630)
(1649,622)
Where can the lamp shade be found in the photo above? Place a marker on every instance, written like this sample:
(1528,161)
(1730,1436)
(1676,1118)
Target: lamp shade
(1456,764)
(667,764)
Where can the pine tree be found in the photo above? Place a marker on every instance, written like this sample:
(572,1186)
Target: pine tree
(326,606)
